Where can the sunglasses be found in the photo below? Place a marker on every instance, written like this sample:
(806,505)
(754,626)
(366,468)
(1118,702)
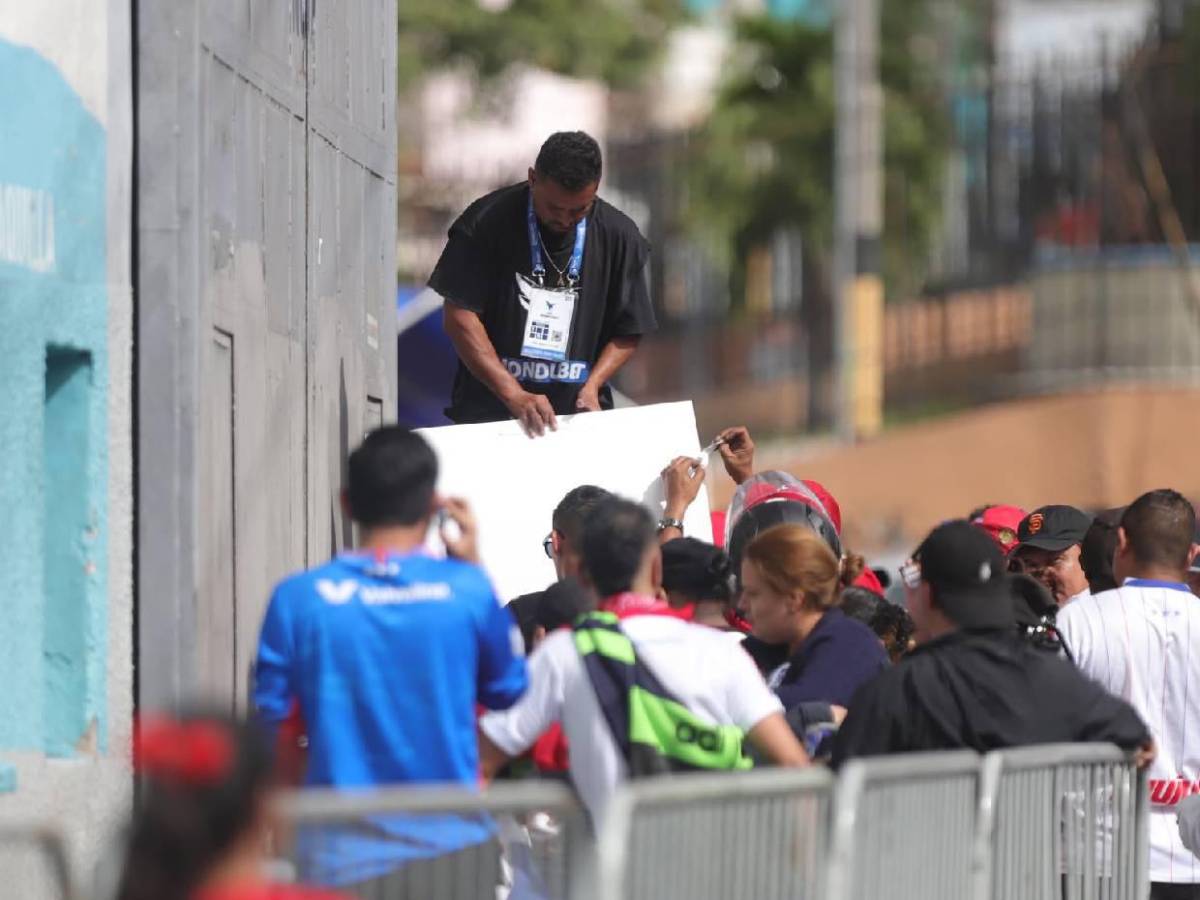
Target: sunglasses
(548,546)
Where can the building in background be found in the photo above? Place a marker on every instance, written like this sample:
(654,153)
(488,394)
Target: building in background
(66,673)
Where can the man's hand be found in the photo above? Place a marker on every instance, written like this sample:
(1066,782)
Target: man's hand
(737,452)
(682,481)
(588,399)
(534,412)
(466,545)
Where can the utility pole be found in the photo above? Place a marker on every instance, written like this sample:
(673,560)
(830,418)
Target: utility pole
(858,225)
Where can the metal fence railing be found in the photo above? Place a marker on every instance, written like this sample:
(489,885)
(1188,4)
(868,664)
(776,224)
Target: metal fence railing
(526,840)
(1056,822)
(34,860)
(904,828)
(1062,821)
(718,836)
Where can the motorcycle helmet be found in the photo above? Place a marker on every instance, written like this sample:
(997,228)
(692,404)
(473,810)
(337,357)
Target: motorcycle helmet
(769,499)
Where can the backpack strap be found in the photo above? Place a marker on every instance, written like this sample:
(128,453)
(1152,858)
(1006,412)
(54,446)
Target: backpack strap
(653,729)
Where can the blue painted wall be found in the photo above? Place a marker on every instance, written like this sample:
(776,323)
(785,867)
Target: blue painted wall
(53,495)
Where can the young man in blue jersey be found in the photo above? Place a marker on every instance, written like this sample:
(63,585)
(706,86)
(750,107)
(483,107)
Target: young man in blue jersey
(387,651)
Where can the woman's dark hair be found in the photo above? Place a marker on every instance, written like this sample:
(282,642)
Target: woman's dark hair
(697,571)
(572,158)
(860,603)
(205,775)
(391,477)
(894,622)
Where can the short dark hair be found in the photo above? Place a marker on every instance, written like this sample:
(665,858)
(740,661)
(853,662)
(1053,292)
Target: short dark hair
(1160,526)
(572,158)
(859,603)
(390,478)
(615,540)
(1096,555)
(574,509)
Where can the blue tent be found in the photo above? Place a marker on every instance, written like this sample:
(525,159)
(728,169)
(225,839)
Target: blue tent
(426,360)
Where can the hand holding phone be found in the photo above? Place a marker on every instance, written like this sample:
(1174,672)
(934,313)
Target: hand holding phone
(459,532)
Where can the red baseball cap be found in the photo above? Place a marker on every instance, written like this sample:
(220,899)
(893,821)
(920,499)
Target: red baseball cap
(1001,522)
(869,580)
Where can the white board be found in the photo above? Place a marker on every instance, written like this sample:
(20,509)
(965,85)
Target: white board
(514,482)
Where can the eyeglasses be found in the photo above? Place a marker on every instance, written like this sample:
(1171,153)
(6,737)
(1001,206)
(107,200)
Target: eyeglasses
(548,545)
(910,572)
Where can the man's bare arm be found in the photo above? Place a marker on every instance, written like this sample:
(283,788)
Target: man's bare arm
(774,739)
(475,349)
(615,354)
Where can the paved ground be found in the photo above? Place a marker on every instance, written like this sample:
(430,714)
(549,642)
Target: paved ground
(1094,450)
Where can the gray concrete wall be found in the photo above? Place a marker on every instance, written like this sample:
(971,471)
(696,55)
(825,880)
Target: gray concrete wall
(266,278)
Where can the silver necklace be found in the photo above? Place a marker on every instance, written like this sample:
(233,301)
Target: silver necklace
(562,273)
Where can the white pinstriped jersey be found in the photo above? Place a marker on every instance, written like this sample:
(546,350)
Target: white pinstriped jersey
(1142,642)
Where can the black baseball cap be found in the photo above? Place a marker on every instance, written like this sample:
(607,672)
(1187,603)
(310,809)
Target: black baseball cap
(965,571)
(1053,528)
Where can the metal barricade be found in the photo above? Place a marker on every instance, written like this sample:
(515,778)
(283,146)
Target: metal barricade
(34,861)
(717,836)
(1062,822)
(904,827)
(526,841)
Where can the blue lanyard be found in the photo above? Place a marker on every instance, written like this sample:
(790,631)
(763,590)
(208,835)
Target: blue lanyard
(535,247)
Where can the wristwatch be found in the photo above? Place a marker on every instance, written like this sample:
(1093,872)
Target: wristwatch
(667,522)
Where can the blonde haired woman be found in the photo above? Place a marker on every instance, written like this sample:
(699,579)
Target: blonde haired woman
(791,582)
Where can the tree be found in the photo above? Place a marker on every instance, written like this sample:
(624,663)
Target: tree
(764,160)
(609,40)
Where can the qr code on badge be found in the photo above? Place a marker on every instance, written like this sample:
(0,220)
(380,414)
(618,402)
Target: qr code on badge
(540,331)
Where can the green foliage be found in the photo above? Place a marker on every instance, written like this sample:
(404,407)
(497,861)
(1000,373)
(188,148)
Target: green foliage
(614,41)
(764,160)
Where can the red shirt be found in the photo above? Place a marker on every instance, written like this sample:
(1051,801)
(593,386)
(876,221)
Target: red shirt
(265,892)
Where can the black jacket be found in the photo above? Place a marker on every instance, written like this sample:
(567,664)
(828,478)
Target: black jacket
(982,690)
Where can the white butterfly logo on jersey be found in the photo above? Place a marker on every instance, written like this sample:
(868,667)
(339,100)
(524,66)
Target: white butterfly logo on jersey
(336,592)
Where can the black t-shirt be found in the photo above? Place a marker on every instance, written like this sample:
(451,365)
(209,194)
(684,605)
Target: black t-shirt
(488,244)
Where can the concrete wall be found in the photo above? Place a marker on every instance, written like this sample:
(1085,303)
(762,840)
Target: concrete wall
(65,422)
(266,277)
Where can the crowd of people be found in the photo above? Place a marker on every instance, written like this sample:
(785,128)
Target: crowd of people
(765,643)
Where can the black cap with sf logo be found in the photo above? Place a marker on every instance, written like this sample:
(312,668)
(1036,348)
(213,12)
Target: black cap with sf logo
(1053,528)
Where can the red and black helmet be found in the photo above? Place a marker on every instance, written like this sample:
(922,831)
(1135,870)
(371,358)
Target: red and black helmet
(775,498)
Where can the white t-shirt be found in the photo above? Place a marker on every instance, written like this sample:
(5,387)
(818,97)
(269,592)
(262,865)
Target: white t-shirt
(1142,642)
(714,678)
(1084,593)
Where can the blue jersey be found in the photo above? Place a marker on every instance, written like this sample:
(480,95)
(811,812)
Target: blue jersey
(387,658)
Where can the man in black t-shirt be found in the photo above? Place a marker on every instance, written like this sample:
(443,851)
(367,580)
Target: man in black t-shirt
(545,290)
